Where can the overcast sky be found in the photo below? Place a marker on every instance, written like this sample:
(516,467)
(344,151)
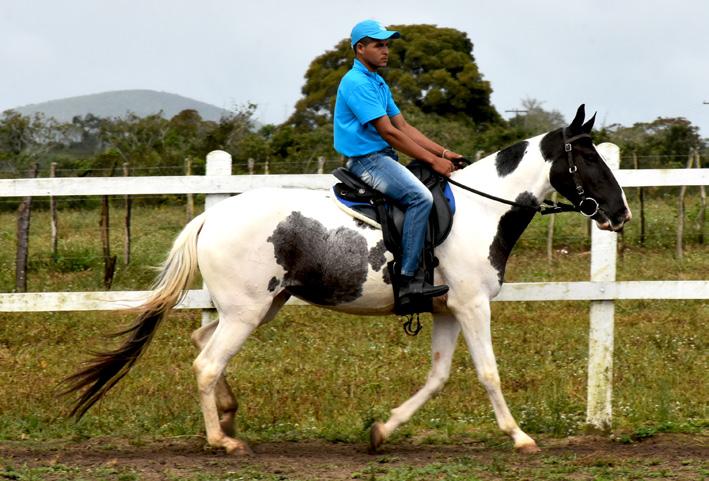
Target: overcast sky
(630,60)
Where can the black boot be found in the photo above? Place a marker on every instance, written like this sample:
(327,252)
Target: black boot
(413,287)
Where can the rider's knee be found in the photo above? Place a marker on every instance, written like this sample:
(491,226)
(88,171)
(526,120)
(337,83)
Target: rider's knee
(422,196)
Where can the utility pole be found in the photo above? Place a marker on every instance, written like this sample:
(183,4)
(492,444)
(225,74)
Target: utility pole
(517,113)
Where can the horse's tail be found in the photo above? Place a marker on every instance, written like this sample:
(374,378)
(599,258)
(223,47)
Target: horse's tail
(105,369)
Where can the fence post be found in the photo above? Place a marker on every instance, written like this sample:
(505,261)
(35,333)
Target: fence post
(679,247)
(23,237)
(602,322)
(128,203)
(190,197)
(218,164)
(53,214)
(702,201)
(550,234)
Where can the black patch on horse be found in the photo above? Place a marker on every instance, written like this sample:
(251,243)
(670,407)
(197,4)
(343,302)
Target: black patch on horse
(326,267)
(508,159)
(509,229)
(376,256)
(552,146)
(273,283)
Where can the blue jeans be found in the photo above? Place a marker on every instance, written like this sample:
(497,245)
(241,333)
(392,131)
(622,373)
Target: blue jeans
(383,172)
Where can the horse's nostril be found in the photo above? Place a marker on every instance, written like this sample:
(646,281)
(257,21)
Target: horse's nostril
(628,215)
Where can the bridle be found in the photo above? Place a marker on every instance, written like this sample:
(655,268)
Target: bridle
(587,206)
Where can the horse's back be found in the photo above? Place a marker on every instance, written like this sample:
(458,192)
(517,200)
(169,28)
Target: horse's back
(267,240)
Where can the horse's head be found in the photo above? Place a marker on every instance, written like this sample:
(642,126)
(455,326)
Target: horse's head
(579,173)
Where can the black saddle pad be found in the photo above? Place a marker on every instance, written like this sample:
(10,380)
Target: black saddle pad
(361,198)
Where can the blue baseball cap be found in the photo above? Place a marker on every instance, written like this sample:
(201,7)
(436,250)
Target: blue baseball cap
(373,29)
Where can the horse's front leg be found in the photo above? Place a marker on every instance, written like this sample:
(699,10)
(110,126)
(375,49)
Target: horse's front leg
(474,318)
(445,334)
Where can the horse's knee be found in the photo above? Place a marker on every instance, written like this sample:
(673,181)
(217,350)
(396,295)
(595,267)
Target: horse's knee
(489,379)
(207,375)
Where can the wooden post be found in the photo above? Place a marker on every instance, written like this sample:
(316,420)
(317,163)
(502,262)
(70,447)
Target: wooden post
(23,237)
(321,164)
(127,231)
(265,167)
(251,163)
(218,164)
(702,201)
(602,322)
(190,197)
(550,233)
(109,262)
(641,200)
(679,248)
(53,213)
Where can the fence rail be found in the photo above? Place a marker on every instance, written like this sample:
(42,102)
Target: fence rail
(602,290)
(198,184)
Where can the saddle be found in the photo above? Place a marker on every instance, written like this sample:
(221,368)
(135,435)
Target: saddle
(374,208)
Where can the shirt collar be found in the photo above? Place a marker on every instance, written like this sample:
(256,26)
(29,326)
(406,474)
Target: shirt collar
(360,67)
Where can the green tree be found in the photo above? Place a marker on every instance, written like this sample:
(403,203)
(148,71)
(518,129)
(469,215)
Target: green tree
(662,143)
(431,70)
(27,139)
(535,120)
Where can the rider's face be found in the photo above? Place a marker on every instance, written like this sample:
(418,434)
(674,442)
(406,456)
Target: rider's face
(375,54)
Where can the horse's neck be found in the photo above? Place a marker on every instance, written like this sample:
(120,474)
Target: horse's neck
(530,176)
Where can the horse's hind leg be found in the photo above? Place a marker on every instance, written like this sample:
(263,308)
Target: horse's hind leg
(227,405)
(235,325)
(445,334)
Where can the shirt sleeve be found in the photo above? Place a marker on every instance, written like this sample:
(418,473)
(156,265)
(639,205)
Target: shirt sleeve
(366,104)
(392,108)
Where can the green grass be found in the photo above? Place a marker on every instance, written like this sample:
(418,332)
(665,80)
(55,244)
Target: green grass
(315,374)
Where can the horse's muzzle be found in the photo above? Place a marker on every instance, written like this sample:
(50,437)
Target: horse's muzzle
(617,224)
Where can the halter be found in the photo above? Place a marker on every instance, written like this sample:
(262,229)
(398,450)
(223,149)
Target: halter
(591,205)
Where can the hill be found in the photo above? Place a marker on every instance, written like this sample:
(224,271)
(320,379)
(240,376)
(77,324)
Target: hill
(121,102)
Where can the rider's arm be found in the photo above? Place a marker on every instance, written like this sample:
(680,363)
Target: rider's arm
(398,139)
(400,123)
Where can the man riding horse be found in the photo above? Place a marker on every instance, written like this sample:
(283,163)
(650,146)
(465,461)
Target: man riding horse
(368,127)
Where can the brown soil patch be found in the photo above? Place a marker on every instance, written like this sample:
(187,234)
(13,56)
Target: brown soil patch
(174,458)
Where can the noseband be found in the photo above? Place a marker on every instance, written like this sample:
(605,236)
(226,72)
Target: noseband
(588,206)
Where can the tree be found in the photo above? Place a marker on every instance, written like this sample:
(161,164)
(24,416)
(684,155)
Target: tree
(431,70)
(662,143)
(535,120)
(26,139)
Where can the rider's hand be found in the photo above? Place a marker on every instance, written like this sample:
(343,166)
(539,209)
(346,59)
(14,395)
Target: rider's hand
(443,166)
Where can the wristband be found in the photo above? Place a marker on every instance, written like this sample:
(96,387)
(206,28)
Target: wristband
(444,153)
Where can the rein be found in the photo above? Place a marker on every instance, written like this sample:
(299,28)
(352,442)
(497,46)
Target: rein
(549,206)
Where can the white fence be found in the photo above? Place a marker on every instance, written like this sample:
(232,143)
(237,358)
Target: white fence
(602,289)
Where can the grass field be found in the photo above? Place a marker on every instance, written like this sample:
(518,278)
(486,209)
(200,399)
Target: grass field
(314,375)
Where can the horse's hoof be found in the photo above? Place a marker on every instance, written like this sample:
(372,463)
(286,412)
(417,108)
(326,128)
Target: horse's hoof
(376,437)
(530,448)
(238,448)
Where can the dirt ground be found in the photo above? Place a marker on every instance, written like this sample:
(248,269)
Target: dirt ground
(665,456)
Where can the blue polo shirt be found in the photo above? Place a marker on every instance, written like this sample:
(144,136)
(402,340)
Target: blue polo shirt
(361,97)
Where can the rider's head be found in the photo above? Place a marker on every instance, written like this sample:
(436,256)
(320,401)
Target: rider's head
(370,42)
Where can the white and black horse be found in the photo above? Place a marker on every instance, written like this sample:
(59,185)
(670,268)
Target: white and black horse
(257,249)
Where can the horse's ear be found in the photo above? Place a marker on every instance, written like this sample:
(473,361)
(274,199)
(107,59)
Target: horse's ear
(578,120)
(588,126)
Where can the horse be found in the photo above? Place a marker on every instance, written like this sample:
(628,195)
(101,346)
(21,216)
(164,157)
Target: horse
(297,242)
